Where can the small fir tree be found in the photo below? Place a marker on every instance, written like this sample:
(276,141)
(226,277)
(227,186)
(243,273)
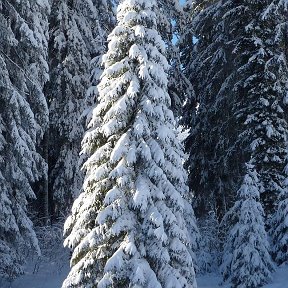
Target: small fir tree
(208,254)
(279,227)
(246,258)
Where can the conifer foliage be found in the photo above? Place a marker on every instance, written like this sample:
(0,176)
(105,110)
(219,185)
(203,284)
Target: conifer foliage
(127,228)
(260,87)
(207,63)
(279,229)
(23,119)
(105,22)
(78,33)
(278,11)
(246,260)
(170,17)
(216,67)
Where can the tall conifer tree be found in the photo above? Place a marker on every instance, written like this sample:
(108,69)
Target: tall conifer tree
(127,228)
(207,63)
(236,113)
(23,119)
(260,90)
(78,32)
(277,12)
(239,70)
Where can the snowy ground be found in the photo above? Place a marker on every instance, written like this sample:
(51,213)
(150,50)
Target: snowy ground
(42,274)
(51,275)
(280,280)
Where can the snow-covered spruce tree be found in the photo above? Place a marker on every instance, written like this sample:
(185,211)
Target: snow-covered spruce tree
(78,33)
(207,63)
(246,258)
(127,227)
(40,71)
(260,88)
(23,118)
(228,53)
(279,225)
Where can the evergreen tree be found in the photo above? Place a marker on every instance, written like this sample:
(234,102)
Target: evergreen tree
(23,119)
(207,63)
(260,88)
(76,37)
(238,69)
(239,74)
(127,227)
(246,259)
(277,12)
(279,227)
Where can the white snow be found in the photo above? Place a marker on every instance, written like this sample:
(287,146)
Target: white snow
(214,280)
(51,275)
(47,275)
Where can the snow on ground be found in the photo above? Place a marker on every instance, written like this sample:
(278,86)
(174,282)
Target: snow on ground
(51,275)
(41,275)
(212,280)
(280,280)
